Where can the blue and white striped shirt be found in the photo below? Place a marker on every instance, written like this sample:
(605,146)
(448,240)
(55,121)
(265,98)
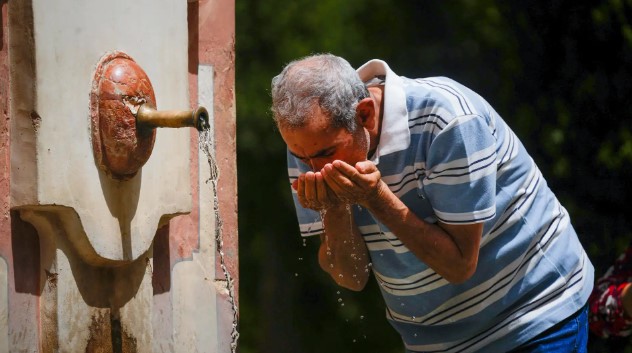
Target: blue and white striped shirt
(449,156)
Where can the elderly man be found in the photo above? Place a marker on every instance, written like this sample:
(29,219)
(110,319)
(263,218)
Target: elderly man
(422,183)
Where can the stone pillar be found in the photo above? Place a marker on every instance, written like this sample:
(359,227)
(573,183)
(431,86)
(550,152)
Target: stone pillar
(90,263)
(216,48)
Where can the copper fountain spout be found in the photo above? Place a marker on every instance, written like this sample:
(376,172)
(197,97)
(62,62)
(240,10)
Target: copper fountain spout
(147,116)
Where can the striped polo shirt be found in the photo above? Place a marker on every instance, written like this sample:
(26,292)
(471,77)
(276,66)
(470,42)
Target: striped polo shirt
(449,156)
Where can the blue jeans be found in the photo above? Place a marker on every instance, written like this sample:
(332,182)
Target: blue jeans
(569,336)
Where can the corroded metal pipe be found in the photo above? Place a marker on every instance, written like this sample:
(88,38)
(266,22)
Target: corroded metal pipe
(147,116)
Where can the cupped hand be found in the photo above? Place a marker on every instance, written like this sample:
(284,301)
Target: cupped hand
(352,184)
(312,191)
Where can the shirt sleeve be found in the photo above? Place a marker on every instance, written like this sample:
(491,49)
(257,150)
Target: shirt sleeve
(460,181)
(310,221)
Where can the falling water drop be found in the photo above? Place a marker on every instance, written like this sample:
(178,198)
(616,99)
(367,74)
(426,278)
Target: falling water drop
(323,213)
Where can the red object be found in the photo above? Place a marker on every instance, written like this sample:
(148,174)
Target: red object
(607,315)
(120,86)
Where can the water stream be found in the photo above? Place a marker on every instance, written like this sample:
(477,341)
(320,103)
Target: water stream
(206,146)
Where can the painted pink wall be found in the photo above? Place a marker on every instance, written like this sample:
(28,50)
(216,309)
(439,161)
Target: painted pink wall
(215,45)
(217,48)
(212,42)
(4,131)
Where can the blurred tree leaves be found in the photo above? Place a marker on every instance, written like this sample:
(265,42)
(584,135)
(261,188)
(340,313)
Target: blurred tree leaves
(559,72)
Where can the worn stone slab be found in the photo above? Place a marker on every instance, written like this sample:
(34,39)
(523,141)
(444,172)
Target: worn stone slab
(54,54)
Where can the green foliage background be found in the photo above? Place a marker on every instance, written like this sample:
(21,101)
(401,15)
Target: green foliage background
(559,72)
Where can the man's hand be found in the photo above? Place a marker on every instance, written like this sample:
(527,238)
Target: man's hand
(353,185)
(313,193)
(338,183)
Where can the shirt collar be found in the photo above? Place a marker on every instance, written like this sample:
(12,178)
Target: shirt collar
(395,135)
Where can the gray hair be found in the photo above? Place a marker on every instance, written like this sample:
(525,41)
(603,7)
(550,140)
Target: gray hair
(323,80)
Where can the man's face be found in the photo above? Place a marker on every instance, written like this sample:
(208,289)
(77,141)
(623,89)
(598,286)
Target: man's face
(317,143)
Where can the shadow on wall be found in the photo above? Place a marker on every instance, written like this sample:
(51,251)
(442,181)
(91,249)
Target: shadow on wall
(122,200)
(25,247)
(100,286)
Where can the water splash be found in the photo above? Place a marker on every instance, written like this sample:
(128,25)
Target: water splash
(206,146)
(323,214)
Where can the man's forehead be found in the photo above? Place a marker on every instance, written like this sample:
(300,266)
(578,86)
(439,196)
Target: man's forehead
(306,143)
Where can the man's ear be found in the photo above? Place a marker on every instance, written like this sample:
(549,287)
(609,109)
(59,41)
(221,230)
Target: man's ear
(366,114)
